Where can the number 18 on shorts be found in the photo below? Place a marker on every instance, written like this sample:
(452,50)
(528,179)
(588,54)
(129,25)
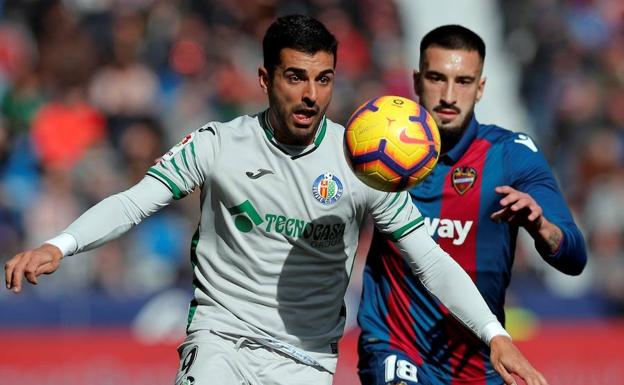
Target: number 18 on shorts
(386,368)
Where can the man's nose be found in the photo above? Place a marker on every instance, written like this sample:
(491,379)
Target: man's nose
(310,93)
(448,94)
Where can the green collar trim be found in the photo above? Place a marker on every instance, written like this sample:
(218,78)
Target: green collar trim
(320,133)
(270,132)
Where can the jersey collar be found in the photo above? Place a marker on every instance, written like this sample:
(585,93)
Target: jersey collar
(293,151)
(460,148)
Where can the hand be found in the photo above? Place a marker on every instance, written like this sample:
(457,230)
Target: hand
(508,360)
(518,208)
(44,259)
(521,209)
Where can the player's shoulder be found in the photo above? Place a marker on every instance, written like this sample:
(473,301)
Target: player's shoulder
(334,127)
(512,141)
(237,127)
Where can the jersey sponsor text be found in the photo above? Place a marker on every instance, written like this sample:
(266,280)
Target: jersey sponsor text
(448,228)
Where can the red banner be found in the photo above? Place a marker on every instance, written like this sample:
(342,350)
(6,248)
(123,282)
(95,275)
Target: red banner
(95,357)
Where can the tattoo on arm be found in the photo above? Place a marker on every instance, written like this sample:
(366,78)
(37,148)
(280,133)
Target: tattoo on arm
(554,240)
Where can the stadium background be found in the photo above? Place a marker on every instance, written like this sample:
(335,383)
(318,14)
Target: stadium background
(91,91)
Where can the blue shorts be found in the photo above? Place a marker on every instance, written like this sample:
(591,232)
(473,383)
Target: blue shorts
(382,366)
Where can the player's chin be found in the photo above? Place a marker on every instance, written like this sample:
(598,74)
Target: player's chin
(305,132)
(450,125)
(303,135)
(446,120)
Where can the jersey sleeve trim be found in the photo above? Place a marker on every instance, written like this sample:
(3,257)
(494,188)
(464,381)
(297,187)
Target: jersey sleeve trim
(161,181)
(177,170)
(195,155)
(175,190)
(396,196)
(184,156)
(400,208)
(407,229)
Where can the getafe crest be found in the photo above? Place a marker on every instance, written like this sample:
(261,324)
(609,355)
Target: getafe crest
(327,188)
(463,178)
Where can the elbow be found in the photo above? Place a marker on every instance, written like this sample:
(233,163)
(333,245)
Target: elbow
(575,268)
(579,267)
(573,258)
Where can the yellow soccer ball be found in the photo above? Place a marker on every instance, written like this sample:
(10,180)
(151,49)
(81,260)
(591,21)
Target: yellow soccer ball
(392,143)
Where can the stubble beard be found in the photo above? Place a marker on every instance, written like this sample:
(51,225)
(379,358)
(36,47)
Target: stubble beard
(450,135)
(290,135)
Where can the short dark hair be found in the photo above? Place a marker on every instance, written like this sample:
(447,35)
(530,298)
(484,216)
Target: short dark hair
(298,32)
(453,36)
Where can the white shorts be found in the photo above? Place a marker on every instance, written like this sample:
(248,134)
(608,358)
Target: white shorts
(208,359)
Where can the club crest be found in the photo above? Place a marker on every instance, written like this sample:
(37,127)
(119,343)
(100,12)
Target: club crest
(327,188)
(463,179)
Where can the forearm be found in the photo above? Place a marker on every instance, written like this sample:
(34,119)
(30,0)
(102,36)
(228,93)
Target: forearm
(448,282)
(116,214)
(562,247)
(548,238)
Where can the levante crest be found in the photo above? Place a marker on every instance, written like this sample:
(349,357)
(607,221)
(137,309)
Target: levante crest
(463,179)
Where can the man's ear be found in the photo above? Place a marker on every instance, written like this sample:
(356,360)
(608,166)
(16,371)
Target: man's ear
(417,85)
(480,88)
(263,78)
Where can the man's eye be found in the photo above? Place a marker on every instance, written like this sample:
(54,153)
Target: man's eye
(294,78)
(325,80)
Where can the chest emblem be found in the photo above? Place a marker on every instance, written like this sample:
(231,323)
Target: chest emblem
(463,178)
(327,188)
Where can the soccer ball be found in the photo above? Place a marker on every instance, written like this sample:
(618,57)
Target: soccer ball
(392,143)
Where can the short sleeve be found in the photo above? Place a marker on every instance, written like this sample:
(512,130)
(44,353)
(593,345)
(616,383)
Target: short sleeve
(186,165)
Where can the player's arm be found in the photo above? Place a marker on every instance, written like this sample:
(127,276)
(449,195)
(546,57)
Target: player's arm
(534,201)
(399,218)
(450,284)
(520,208)
(105,221)
(175,175)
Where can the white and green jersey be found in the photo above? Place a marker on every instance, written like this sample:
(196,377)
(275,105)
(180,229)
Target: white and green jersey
(277,236)
(278,230)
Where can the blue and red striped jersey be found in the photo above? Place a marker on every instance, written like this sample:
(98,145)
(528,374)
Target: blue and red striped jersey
(457,199)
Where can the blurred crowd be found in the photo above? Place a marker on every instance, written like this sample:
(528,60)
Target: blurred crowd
(572,55)
(92,92)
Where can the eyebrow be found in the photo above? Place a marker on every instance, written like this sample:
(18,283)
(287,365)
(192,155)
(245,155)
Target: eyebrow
(433,72)
(460,77)
(300,71)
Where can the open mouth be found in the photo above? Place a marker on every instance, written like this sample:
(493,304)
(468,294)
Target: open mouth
(304,117)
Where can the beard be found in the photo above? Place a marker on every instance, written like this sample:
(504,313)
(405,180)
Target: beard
(449,137)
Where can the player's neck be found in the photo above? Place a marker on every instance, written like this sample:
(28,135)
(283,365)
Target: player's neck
(450,138)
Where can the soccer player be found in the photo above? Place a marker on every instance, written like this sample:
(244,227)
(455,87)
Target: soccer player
(488,182)
(280,215)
